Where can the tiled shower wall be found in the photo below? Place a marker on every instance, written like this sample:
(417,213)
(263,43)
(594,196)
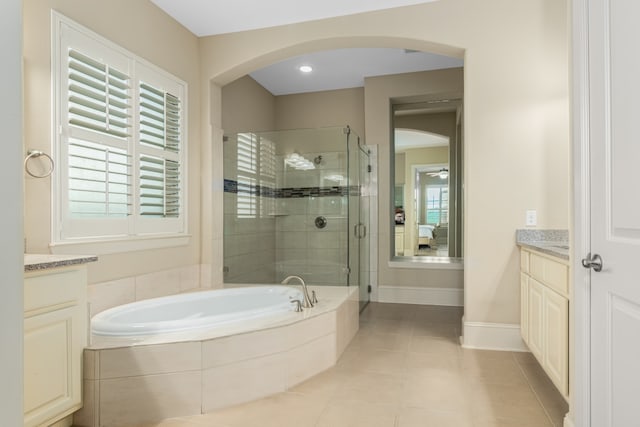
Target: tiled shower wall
(281,239)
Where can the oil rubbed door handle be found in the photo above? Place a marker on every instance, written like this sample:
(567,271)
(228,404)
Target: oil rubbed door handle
(592,261)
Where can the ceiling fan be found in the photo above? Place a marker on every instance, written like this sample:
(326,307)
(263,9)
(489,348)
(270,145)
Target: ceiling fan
(442,173)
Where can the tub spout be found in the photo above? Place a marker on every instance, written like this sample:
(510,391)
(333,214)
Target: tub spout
(306,303)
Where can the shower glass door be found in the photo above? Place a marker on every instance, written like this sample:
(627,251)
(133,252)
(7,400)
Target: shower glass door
(359,184)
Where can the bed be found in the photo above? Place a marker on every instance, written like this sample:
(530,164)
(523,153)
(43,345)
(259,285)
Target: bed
(426,235)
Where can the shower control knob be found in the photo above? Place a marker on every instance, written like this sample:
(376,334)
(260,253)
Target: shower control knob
(321,222)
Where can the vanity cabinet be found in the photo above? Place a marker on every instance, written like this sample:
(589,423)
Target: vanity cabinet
(544,297)
(55,334)
(399,240)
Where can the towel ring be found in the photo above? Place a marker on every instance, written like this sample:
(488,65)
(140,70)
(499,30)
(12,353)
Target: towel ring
(37,153)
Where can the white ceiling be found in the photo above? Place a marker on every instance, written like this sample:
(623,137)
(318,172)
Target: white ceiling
(345,68)
(209,17)
(406,139)
(335,69)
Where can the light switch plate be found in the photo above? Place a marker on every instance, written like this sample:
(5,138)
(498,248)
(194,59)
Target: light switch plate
(532,218)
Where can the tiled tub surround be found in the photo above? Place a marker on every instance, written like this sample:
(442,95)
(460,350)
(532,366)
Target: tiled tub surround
(550,242)
(104,295)
(132,381)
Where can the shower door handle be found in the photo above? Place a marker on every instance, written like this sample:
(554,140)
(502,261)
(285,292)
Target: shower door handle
(359,231)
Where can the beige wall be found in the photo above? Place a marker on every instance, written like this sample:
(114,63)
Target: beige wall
(515,105)
(143,29)
(247,107)
(322,109)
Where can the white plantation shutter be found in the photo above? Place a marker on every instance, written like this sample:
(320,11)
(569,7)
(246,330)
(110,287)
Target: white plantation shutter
(159,187)
(98,181)
(160,135)
(99,96)
(119,141)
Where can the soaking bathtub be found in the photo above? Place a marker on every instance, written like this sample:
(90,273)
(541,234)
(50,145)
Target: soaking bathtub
(198,352)
(185,312)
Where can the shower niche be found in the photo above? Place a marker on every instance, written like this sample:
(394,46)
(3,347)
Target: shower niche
(296,202)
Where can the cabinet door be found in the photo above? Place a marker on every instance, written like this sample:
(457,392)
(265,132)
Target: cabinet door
(524,307)
(52,380)
(556,340)
(536,324)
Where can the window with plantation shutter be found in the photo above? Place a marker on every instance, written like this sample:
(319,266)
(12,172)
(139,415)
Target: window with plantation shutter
(160,134)
(119,142)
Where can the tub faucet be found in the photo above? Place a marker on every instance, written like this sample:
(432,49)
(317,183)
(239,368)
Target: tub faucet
(306,303)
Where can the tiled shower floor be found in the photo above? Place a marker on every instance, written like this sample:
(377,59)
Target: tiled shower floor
(405,368)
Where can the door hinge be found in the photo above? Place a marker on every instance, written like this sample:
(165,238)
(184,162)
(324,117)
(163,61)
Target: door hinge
(369,168)
(369,289)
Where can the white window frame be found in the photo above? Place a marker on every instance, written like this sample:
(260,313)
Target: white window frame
(133,232)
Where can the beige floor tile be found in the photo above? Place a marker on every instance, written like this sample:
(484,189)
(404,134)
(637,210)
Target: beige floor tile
(429,363)
(389,311)
(553,403)
(193,421)
(280,410)
(383,361)
(350,359)
(500,401)
(440,392)
(391,326)
(492,367)
(509,422)
(416,417)
(324,384)
(433,329)
(357,414)
(432,345)
(371,387)
(439,314)
(373,340)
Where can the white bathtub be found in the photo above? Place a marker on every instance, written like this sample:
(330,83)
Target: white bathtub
(136,379)
(184,312)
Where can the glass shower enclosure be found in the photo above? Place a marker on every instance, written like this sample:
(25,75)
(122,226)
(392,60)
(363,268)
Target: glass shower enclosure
(296,202)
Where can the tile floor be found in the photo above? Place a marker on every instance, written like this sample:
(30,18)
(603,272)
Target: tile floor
(405,368)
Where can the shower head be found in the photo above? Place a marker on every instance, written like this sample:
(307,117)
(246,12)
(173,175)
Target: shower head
(317,160)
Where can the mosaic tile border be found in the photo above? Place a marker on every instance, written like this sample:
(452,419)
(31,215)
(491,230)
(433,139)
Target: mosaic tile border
(235,187)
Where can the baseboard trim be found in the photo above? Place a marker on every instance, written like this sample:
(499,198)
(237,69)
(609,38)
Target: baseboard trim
(492,336)
(422,296)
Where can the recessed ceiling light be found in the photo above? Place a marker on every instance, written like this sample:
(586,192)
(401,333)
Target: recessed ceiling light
(305,68)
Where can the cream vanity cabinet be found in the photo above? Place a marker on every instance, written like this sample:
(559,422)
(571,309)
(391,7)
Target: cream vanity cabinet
(544,296)
(55,334)
(399,240)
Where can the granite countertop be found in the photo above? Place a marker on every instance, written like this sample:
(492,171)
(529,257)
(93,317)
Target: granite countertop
(550,242)
(35,262)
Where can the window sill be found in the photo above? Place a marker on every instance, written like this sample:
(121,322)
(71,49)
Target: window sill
(113,246)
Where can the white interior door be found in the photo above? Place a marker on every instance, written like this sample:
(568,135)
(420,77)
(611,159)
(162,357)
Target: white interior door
(614,134)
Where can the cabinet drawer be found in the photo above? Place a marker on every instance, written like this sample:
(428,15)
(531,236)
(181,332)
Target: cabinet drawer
(53,288)
(552,273)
